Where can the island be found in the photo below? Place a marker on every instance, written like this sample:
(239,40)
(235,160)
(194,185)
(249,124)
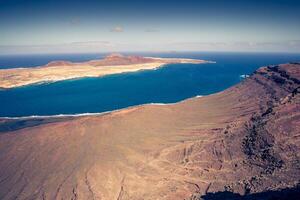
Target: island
(64,70)
(241,141)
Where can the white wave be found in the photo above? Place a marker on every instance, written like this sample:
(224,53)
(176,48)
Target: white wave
(92,114)
(159,104)
(244,76)
(55,116)
(162,104)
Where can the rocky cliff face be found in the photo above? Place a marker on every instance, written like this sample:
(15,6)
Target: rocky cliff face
(266,146)
(244,140)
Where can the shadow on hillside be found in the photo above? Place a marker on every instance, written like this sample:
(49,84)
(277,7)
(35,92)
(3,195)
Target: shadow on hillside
(10,125)
(284,194)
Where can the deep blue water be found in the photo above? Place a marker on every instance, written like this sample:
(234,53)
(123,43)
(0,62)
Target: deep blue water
(169,84)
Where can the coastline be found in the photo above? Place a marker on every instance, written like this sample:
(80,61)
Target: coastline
(97,113)
(11,124)
(63,70)
(74,78)
(80,72)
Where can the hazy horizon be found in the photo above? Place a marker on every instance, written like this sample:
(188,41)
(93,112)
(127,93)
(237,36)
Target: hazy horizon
(145,53)
(42,27)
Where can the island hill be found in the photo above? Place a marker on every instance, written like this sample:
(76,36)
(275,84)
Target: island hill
(244,140)
(63,70)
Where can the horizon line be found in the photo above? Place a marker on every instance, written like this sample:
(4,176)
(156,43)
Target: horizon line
(148,51)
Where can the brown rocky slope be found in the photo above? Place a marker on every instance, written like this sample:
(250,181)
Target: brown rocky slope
(245,140)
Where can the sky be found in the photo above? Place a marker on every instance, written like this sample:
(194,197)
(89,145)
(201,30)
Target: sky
(72,26)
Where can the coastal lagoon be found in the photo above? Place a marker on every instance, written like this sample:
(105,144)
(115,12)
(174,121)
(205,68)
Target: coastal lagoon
(168,84)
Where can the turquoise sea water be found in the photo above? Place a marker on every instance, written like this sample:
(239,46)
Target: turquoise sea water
(168,84)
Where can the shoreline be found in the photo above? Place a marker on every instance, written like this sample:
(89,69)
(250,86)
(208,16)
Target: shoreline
(82,77)
(63,70)
(95,113)
(61,78)
(75,78)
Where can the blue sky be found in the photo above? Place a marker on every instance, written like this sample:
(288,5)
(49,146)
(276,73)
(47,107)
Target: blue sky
(53,26)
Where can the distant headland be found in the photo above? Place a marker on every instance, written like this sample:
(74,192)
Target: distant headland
(64,70)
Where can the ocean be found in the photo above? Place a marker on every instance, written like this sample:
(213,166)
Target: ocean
(169,84)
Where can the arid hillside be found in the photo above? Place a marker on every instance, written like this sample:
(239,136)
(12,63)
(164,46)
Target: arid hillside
(244,140)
